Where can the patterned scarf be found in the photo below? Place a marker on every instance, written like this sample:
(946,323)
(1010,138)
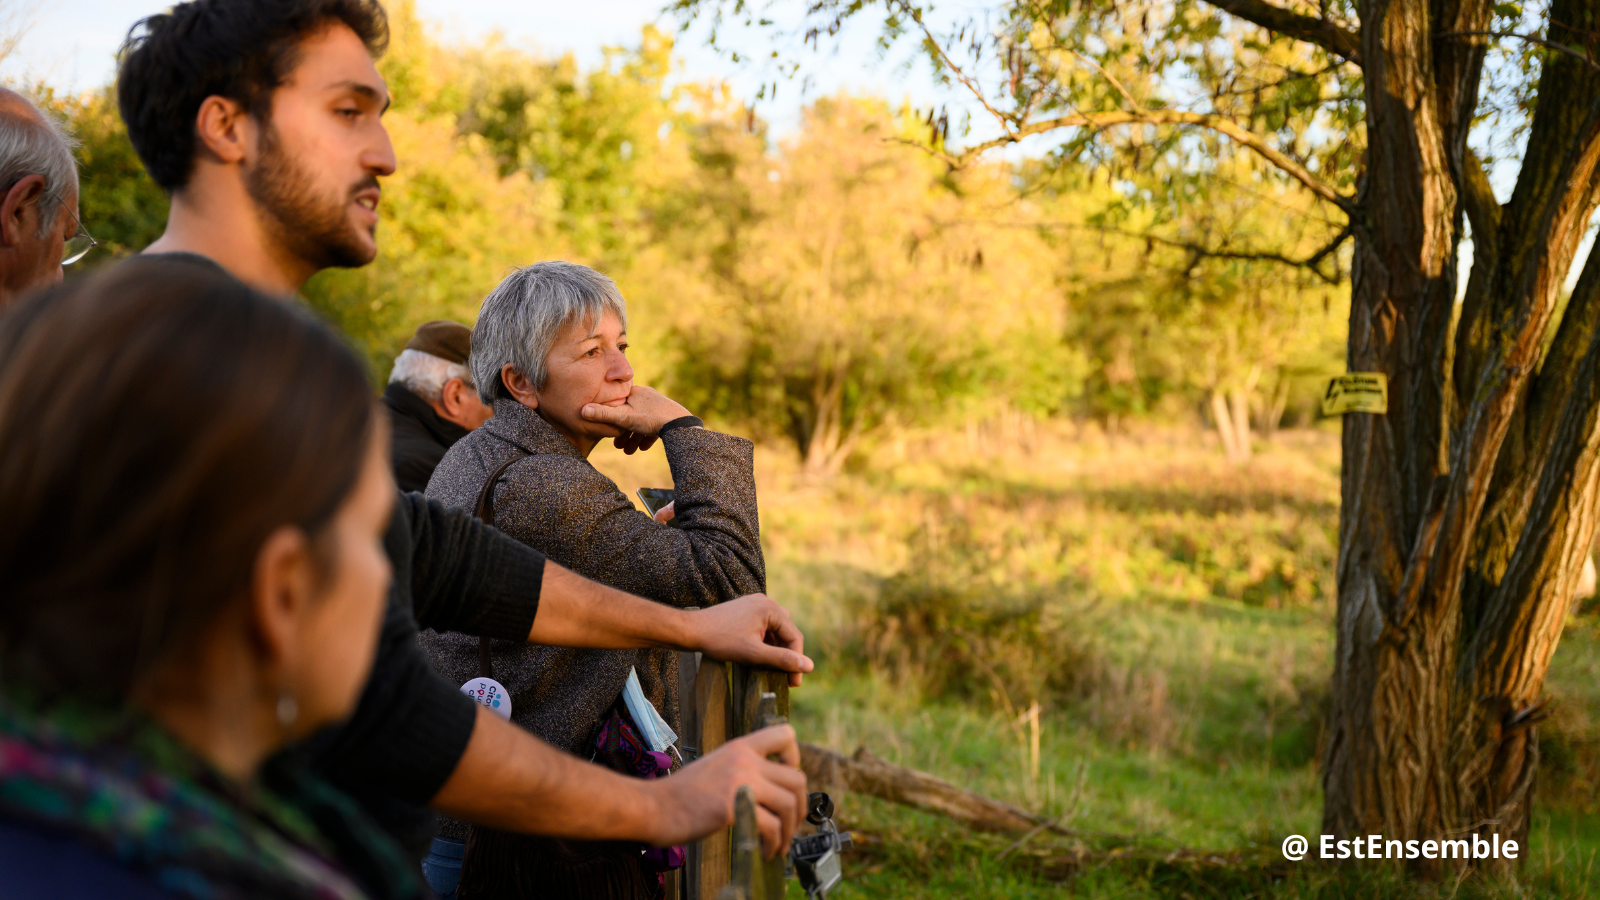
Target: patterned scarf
(121,785)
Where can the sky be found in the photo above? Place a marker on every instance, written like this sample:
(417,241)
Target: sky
(70,44)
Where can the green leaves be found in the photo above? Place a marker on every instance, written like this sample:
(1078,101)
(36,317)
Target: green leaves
(847,281)
(862,286)
(118,203)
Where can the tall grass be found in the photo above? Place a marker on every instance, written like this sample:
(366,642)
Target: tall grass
(1172,618)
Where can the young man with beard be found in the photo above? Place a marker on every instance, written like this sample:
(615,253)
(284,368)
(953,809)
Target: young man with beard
(261,119)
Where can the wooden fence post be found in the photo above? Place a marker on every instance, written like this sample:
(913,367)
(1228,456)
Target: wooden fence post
(684,885)
(711,858)
(746,875)
(732,701)
(760,698)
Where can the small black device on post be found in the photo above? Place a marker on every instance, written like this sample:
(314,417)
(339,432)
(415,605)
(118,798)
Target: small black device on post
(815,857)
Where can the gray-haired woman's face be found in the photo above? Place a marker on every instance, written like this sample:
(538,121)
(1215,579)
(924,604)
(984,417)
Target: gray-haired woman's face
(587,364)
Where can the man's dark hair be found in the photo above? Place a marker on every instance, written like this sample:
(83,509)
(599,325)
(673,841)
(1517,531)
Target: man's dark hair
(239,49)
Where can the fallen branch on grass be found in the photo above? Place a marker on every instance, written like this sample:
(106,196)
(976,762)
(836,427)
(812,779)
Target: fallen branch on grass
(865,773)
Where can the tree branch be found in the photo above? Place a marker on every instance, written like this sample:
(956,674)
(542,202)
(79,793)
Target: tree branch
(1331,37)
(1530,38)
(1483,210)
(1311,262)
(1508,365)
(1528,607)
(961,75)
(1219,124)
(1569,86)
(1562,366)
(1016,129)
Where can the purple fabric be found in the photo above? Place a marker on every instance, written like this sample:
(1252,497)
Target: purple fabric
(619,747)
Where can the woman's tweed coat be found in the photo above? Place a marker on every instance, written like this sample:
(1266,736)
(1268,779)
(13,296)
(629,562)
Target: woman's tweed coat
(556,502)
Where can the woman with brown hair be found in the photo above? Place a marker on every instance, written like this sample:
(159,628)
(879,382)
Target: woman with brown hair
(196,488)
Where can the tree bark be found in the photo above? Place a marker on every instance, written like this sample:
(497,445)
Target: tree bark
(1468,506)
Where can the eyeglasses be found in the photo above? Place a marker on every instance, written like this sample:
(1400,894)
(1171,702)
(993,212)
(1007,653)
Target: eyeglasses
(77,245)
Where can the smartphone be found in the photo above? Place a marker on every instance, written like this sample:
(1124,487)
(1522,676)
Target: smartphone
(654,499)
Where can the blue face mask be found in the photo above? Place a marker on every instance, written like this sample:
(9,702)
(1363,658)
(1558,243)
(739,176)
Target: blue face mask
(652,727)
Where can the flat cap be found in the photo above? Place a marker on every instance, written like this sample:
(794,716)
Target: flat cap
(450,341)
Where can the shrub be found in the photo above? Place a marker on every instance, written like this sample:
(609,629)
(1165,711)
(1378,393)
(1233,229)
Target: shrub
(964,640)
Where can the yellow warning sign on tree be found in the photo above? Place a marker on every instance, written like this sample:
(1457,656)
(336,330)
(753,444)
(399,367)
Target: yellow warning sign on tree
(1366,392)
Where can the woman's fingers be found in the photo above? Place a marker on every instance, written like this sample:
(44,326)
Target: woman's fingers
(633,442)
(624,416)
(666,513)
(645,411)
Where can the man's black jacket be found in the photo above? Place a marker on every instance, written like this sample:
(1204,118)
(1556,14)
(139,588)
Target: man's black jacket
(420,437)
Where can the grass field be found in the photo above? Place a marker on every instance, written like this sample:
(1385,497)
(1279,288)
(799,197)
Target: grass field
(1172,617)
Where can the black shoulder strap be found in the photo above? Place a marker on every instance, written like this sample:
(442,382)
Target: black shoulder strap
(484,512)
(485,508)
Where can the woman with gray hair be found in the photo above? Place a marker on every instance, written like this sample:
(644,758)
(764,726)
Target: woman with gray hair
(549,352)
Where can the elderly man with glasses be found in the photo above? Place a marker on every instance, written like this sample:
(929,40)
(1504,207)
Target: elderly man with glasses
(39,228)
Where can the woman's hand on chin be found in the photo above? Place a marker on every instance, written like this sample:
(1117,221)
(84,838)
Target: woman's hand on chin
(640,418)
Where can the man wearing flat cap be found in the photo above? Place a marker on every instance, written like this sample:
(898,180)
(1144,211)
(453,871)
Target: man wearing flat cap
(432,400)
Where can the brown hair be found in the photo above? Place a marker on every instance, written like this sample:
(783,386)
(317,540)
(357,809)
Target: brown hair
(172,61)
(157,422)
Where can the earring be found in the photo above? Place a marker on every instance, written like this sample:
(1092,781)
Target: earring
(288,709)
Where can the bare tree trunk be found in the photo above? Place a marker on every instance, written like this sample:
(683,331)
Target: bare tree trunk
(1273,406)
(824,438)
(1240,402)
(1222,416)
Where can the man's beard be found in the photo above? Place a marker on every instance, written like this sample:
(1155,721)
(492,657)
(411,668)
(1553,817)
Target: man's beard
(311,225)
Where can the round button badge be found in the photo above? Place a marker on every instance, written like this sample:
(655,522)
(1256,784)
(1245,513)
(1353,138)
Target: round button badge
(490,694)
